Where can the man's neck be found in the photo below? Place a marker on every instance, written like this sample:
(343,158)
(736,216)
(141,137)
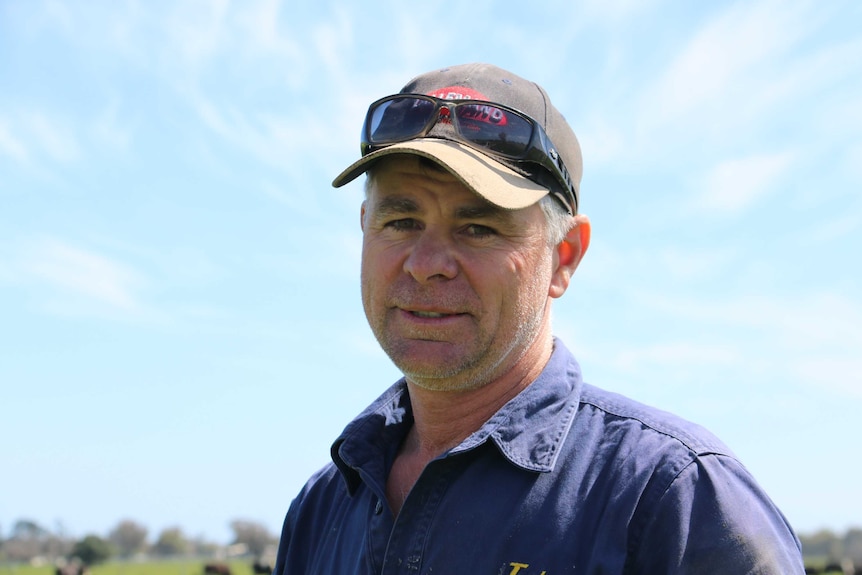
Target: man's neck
(443,419)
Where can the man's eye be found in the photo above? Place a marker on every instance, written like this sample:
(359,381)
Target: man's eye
(406,224)
(479,231)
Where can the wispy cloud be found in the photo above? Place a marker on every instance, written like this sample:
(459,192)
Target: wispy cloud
(814,339)
(276,139)
(608,266)
(854,160)
(677,354)
(735,185)
(840,373)
(39,137)
(836,228)
(55,137)
(811,343)
(196,31)
(11,145)
(598,10)
(746,72)
(113,129)
(332,40)
(74,280)
(723,59)
(260,23)
(682,264)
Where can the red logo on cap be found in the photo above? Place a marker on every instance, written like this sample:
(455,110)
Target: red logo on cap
(478,113)
(458,93)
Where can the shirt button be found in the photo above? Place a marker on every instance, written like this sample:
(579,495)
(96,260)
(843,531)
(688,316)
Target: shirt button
(378,509)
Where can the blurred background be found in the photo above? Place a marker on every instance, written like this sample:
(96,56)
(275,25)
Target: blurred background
(181,335)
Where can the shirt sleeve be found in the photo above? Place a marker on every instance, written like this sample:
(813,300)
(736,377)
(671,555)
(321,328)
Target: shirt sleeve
(714,519)
(287,530)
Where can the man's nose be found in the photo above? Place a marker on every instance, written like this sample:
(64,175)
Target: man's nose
(431,257)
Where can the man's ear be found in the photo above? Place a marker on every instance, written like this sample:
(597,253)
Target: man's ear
(568,254)
(362,217)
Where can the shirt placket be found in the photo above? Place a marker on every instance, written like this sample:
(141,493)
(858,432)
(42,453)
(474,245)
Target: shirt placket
(412,529)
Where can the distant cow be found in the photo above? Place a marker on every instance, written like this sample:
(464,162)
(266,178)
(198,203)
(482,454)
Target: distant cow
(216,569)
(71,569)
(261,568)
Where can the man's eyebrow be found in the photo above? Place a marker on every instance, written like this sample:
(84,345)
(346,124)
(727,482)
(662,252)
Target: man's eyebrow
(486,211)
(400,205)
(394,205)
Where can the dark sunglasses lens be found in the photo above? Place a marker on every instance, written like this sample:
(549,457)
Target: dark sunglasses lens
(496,129)
(399,119)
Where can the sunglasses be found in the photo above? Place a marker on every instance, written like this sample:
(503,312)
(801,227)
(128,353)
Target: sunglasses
(491,128)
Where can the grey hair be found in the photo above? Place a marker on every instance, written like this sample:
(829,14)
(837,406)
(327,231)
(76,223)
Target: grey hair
(558,221)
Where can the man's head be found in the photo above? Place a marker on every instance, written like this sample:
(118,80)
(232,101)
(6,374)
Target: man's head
(463,249)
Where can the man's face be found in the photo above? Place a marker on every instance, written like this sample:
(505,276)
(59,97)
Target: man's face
(455,289)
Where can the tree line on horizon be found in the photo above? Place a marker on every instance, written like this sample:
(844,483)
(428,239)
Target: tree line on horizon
(833,547)
(29,542)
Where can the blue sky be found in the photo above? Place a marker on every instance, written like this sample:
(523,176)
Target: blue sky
(181,335)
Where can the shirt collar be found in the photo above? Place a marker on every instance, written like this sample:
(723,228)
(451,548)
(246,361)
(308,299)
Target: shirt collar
(528,431)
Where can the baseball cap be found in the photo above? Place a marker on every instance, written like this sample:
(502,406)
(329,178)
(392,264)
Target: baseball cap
(503,182)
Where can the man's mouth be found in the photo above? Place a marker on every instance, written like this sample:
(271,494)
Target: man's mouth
(430,314)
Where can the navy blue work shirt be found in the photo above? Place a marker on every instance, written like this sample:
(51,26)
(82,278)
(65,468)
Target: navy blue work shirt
(564,479)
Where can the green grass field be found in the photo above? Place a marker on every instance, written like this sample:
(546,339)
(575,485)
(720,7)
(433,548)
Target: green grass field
(190,567)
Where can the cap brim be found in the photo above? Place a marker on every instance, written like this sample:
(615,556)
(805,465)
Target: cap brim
(485,176)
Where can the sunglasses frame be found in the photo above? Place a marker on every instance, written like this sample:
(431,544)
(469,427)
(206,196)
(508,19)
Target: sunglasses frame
(539,151)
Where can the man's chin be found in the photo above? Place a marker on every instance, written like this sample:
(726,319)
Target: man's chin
(431,361)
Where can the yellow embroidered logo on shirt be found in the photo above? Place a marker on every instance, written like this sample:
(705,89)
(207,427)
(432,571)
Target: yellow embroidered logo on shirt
(521,569)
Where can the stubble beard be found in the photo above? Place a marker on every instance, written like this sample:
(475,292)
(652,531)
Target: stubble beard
(488,359)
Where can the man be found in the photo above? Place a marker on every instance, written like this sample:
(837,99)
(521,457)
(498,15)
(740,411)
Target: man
(492,456)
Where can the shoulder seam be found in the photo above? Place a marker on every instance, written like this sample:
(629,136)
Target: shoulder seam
(697,445)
